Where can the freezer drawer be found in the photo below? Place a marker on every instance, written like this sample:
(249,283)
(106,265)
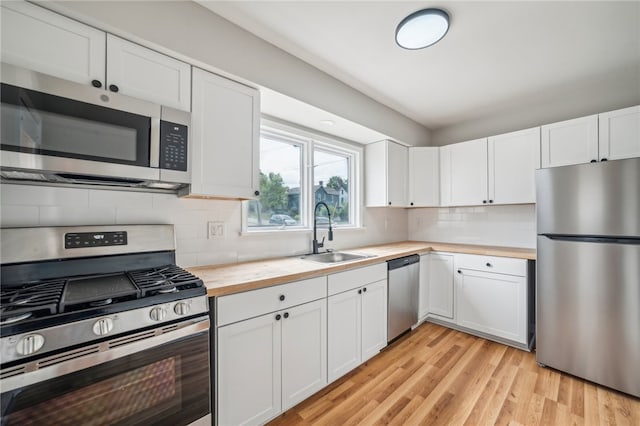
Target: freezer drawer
(588,310)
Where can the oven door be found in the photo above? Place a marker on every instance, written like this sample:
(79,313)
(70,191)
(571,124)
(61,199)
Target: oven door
(158,377)
(57,126)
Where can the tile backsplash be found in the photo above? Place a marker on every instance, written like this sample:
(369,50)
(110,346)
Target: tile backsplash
(512,225)
(27,205)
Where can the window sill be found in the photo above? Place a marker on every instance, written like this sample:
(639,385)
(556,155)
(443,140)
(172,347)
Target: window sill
(279,231)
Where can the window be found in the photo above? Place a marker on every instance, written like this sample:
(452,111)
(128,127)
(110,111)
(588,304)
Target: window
(298,170)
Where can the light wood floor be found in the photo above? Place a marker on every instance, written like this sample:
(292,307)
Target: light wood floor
(438,376)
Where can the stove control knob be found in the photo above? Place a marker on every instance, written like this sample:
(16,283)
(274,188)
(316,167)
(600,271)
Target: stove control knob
(103,326)
(181,308)
(30,344)
(157,314)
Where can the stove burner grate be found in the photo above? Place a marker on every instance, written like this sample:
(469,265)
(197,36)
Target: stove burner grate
(165,279)
(30,300)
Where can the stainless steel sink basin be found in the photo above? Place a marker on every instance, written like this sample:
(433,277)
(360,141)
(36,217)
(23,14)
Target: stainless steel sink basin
(334,257)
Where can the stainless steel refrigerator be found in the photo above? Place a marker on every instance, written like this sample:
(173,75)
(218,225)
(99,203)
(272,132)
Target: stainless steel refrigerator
(588,272)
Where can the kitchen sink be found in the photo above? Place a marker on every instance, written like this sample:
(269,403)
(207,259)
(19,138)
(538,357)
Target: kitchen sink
(334,257)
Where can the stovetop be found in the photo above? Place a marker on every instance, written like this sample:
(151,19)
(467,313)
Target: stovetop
(43,303)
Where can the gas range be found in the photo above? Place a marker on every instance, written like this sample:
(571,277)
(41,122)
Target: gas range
(66,286)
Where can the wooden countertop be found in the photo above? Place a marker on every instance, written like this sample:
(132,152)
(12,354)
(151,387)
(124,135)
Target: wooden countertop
(226,279)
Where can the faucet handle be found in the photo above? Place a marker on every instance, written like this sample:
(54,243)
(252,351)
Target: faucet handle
(321,243)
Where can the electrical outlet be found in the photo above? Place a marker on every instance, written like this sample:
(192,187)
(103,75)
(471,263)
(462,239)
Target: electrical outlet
(215,229)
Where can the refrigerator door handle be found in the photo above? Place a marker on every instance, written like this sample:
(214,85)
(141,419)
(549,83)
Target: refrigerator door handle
(592,239)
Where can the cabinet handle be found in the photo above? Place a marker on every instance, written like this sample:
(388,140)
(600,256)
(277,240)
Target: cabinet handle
(278,317)
(360,291)
(389,202)
(604,159)
(113,88)
(286,314)
(594,161)
(459,271)
(96,83)
(364,289)
(488,265)
(484,201)
(281,297)
(490,201)
(256,193)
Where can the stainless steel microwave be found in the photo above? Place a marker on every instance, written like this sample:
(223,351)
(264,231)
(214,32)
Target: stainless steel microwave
(54,130)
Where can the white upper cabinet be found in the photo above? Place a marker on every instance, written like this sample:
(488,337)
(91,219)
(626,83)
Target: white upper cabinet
(424,176)
(43,41)
(225,137)
(463,173)
(513,160)
(570,142)
(619,134)
(386,174)
(146,74)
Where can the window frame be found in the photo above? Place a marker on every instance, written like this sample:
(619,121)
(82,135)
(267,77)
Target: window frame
(309,141)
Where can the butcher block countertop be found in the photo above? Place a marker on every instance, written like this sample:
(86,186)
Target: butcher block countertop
(227,279)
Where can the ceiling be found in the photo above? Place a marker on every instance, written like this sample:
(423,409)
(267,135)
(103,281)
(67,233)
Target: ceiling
(496,55)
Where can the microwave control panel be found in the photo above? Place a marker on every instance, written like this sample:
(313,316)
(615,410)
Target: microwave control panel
(173,146)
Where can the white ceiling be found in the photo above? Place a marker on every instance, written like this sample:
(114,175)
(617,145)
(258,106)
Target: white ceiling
(496,55)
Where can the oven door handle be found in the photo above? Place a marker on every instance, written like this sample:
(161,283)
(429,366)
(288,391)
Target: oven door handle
(88,356)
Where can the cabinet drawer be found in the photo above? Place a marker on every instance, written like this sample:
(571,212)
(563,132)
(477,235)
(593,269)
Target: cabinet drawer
(353,278)
(501,265)
(241,306)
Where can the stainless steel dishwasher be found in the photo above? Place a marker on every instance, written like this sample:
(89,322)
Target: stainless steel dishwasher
(403,283)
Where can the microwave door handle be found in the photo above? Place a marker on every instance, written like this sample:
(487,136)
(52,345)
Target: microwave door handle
(154,149)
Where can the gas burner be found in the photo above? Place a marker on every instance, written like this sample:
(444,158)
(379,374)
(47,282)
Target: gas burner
(30,300)
(17,318)
(168,290)
(164,279)
(104,302)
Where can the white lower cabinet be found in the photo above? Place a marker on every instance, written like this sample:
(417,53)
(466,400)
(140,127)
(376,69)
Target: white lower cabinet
(423,302)
(270,363)
(441,288)
(493,303)
(357,327)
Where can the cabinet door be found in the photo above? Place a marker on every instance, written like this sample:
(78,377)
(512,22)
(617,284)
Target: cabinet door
(570,142)
(145,74)
(344,318)
(225,138)
(374,318)
(493,303)
(424,176)
(513,160)
(43,41)
(397,174)
(249,371)
(423,307)
(466,181)
(619,134)
(440,296)
(304,351)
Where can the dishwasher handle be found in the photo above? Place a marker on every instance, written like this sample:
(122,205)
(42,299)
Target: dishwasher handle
(402,262)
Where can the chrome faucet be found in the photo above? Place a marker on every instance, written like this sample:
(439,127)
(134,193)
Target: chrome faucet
(316,244)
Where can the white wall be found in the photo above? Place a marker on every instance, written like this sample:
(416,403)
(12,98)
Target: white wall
(197,35)
(511,226)
(26,205)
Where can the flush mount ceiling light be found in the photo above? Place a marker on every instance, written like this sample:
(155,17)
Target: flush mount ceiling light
(422,28)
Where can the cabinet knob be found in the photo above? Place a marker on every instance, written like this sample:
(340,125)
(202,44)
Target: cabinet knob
(389,202)
(604,159)
(286,314)
(489,265)
(96,83)
(281,297)
(113,88)
(459,271)
(364,289)
(484,201)
(490,201)
(360,291)
(594,161)
(256,193)
(278,317)
(411,203)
